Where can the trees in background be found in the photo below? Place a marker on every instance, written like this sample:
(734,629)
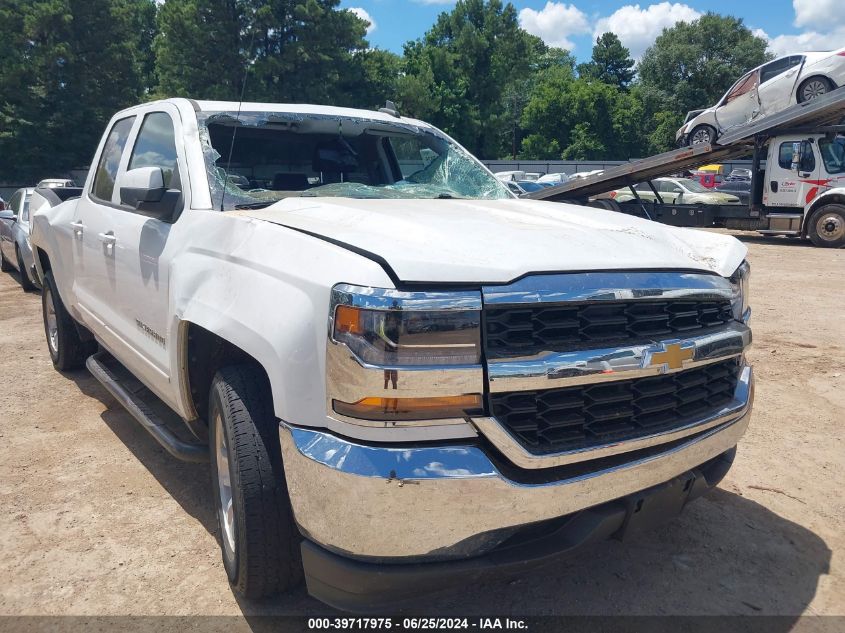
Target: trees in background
(68,65)
(696,62)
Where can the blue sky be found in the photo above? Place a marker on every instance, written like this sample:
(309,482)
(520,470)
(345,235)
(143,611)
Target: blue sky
(788,25)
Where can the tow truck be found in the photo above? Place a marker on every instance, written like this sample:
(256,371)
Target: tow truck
(800,192)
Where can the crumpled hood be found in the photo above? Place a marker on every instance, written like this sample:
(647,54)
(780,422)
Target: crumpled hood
(496,241)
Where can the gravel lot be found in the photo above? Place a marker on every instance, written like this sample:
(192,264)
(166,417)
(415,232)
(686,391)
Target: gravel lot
(97,519)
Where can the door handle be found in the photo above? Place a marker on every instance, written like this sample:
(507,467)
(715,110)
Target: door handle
(78,229)
(108,239)
(774,186)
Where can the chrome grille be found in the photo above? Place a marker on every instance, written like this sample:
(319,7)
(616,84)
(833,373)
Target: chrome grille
(521,330)
(584,416)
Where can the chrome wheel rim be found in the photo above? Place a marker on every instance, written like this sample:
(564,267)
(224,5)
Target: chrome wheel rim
(815,88)
(830,227)
(224,483)
(700,136)
(52,322)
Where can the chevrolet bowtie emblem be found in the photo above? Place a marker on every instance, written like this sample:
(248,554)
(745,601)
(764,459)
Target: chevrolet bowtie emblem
(669,356)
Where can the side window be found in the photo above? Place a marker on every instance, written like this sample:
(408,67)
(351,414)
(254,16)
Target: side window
(808,162)
(785,156)
(779,66)
(25,209)
(110,160)
(156,147)
(743,86)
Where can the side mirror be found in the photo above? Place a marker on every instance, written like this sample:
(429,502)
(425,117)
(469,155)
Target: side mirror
(144,184)
(8,215)
(796,155)
(143,188)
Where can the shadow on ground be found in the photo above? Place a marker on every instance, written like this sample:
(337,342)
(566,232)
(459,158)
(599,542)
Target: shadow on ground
(725,555)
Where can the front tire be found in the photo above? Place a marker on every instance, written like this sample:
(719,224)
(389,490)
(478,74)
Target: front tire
(26,283)
(827,226)
(702,134)
(67,349)
(4,265)
(258,537)
(813,88)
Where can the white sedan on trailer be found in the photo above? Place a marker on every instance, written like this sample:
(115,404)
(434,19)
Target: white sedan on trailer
(765,90)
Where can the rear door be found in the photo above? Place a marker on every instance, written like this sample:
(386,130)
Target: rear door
(777,81)
(94,270)
(742,102)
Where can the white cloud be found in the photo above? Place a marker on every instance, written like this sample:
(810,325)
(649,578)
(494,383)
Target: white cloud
(555,23)
(362,13)
(821,14)
(637,28)
(806,41)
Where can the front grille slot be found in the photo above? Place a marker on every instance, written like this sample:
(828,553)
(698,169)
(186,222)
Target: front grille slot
(585,416)
(529,329)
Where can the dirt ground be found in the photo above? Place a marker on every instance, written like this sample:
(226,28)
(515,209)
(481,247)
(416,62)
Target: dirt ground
(97,519)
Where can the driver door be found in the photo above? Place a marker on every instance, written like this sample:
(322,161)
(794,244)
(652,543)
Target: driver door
(741,104)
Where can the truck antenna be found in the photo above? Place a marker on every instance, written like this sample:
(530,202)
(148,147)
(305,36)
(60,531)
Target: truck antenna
(237,119)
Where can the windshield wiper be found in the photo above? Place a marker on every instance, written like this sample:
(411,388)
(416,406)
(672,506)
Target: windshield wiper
(449,196)
(255,205)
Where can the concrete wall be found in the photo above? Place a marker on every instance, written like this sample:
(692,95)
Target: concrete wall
(573,167)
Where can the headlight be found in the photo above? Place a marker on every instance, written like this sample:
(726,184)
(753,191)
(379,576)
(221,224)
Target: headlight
(739,299)
(409,355)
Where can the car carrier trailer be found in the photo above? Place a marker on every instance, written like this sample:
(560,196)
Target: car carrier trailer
(800,192)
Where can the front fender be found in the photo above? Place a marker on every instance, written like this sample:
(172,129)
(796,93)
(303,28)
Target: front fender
(266,289)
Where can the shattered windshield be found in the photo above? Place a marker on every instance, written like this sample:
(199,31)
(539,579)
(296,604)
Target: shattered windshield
(277,155)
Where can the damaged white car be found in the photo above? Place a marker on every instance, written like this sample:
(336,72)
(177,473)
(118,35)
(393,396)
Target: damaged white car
(767,89)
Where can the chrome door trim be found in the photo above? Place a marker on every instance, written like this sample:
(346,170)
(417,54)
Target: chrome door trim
(554,370)
(609,286)
(520,456)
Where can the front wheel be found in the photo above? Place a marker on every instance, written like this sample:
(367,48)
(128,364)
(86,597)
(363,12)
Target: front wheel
(813,88)
(827,226)
(4,265)
(258,537)
(702,134)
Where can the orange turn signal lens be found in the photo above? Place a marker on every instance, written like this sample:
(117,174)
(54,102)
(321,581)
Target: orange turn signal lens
(410,408)
(347,319)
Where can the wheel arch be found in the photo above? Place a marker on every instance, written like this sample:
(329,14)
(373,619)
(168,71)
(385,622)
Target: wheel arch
(836,197)
(816,75)
(202,353)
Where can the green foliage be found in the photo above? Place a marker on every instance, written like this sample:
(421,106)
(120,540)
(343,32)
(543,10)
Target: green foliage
(68,66)
(467,63)
(696,62)
(611,62)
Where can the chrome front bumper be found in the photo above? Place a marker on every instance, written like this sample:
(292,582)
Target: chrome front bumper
(428,503)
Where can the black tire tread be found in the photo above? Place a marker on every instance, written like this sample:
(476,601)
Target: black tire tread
(73,351)
(5,266)
(269,559)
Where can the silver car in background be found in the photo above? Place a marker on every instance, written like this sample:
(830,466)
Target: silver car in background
(767,89)
(15,247)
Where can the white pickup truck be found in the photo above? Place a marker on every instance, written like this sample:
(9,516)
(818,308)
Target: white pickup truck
(402,374)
